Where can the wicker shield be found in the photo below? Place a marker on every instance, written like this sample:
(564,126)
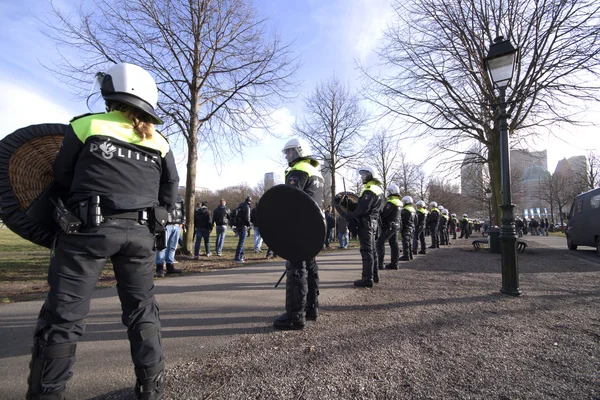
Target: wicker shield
(345,203)
(27,181)
(291,223)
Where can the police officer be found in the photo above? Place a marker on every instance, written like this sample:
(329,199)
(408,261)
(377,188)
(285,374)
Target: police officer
(453,225)
(118,161)
(433,220)
(420,230)
(390,224)
(366,213)
(302,278)
(408,226)
(464,227)
(443,226)
(175,222)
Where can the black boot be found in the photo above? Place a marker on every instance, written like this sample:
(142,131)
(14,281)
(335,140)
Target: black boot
(404,258)
(150,385)
(363,283)
(172,270)
(312,297)
(160,270)
(295,301)
(287,322)
(423,252)
(391,266)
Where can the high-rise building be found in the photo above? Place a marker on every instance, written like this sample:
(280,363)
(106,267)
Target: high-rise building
(471,173)
(271,179)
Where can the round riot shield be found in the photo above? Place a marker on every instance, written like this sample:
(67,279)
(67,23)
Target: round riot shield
(291,223)
(27,181)
(345,203)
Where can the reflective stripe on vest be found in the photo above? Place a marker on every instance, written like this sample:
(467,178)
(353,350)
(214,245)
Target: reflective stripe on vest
(395,201)
(116,125)
(434,209)
(372,186)
(423,211)
(305,166)
(410,208)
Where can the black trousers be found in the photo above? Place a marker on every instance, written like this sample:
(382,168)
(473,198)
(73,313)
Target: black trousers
(419,236)
(435,235)
(301,286)
(75,266)
(390,236)
(368,249)
(407,242)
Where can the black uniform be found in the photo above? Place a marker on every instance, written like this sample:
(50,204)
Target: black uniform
(420,231)
(101,156)
(302,279)
(465,228)
(366,213)
(443,229)
(390,224)
(408,226)
(453,224)
(433,220)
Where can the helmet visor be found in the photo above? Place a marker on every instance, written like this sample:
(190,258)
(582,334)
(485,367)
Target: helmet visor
(95,103)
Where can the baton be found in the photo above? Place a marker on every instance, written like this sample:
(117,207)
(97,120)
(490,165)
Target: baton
(280,279)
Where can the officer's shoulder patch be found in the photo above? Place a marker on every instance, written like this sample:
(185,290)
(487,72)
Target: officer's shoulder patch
(293,180)
(83,116)
(367,196)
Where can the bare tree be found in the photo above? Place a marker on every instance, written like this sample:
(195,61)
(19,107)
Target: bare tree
(564,192)
(591,174)
(434,77)
(410,177)
(333,123)
(383,152)
(219,73)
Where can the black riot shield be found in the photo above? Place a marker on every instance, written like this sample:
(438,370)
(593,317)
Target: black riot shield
(345,203)
(291,223)
(27,181)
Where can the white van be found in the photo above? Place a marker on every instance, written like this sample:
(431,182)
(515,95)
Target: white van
(583,226)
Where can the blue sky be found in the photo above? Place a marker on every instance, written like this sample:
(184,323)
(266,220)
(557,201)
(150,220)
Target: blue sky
(328,35)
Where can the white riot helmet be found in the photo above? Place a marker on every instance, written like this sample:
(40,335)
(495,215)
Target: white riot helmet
(407,200)
(445,212)
(440,207)
(433,204)
(296,148)
(453,215)
(368,173)
(131,85)
(393,189)
(465,215)
(420,203)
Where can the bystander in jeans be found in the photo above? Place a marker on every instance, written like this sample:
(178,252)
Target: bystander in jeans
(257,238)
(330,227)
(242,225)
(342,231)
(221,216)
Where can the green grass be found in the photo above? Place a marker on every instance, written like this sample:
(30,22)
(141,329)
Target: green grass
(24,265)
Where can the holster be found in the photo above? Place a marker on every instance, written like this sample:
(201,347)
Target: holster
(158,218)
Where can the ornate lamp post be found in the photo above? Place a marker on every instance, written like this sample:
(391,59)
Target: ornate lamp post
(500,63)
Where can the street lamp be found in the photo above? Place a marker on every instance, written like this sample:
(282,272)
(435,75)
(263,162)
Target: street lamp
(500,63)
(488,196)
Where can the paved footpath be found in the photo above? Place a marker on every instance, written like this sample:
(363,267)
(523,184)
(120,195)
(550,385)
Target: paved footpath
(199,313)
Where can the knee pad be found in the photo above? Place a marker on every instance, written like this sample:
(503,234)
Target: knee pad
(137,318)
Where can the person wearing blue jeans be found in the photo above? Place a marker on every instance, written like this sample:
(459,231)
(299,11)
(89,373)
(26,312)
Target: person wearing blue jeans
(173,232)
(167,255)
(221,216)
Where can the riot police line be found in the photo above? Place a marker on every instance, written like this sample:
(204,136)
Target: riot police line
(108,182)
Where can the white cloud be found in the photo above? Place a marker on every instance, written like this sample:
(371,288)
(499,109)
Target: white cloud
(23,106)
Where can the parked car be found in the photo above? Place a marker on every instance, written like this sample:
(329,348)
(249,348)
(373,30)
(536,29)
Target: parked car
(583,226)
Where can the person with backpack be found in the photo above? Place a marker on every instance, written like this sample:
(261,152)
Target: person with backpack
(242,223)
(203,225)
(220,217)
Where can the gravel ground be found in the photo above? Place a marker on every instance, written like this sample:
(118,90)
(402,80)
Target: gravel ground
(437,328)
